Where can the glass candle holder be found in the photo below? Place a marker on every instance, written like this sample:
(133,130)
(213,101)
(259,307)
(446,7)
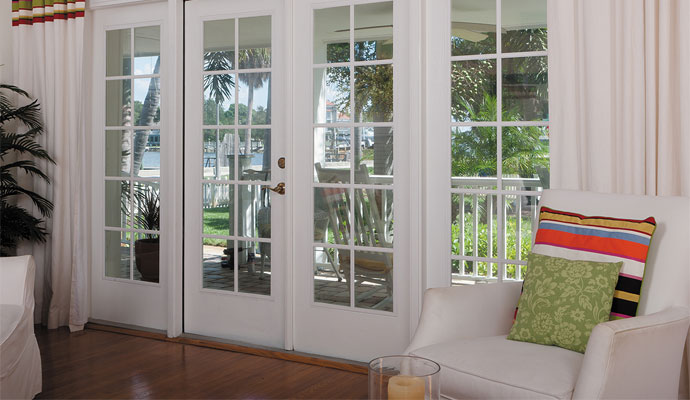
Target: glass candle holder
(404,378)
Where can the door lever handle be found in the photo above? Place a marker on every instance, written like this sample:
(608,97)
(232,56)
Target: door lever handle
(280,188)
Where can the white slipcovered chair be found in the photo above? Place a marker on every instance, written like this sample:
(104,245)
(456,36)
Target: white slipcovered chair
(464,328)
(20,360)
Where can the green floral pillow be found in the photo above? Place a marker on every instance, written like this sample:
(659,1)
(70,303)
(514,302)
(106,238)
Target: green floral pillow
(562,301)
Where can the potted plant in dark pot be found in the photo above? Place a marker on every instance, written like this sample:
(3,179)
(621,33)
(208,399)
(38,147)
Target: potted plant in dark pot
(147,250)
(21,153)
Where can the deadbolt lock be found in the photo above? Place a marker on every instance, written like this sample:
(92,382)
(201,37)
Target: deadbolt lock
(281,162)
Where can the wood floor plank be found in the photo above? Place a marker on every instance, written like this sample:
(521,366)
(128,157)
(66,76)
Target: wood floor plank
(282,355)
(97,364)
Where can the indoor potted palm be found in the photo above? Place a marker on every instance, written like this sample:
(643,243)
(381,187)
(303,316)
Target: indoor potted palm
(20,153)
(147,250)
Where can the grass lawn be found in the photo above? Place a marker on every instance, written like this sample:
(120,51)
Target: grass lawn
(216,222)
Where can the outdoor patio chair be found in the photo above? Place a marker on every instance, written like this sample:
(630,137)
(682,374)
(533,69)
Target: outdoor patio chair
(373,228)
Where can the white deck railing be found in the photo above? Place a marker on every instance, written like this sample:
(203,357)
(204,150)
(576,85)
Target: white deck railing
(515,206)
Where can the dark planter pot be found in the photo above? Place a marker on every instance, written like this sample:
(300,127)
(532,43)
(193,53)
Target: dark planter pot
(146,254)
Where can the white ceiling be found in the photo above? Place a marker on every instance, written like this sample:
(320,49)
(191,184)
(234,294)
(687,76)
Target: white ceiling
(515,14)
(255,32)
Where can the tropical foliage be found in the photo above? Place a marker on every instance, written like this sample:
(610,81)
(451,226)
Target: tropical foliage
(524,152)
(373,83)
(523,77)
(219,85)
(524,149)
(474,90)
(149,217)
(227,117)
(20,153)
(220,89)
(467,247)
(373,94)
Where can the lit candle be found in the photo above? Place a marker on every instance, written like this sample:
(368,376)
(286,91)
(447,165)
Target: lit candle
(405,387)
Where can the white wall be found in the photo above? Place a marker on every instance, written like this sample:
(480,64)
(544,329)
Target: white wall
(5,41)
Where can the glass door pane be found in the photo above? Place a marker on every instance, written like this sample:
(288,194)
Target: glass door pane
(132,153)
(352,154)
(234,99)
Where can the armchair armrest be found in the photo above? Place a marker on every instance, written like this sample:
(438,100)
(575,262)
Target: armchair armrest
(638,357)
(17,280)
(464,312)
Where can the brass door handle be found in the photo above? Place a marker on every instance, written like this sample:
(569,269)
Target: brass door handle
(280,188)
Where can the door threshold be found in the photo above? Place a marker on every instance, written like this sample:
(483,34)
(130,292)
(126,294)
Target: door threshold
(229,345)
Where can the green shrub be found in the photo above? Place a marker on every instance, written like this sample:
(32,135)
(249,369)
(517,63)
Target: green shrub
(482,242)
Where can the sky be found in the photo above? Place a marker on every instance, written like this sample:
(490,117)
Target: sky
(142,66)
(145,65)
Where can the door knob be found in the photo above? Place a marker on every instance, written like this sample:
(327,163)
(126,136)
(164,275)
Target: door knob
(280,188)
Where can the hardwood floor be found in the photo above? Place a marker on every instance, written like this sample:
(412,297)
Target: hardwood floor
(96,364)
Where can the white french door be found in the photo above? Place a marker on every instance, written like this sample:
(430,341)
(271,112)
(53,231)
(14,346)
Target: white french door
(299,163)
(234,270)
(351,183)
(131,147)
(297,166)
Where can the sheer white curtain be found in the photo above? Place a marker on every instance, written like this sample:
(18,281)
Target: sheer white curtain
(48,57)
(619,84)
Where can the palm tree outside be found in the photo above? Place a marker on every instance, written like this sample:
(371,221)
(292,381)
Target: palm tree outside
(147,116)
(254,58)
(219,87)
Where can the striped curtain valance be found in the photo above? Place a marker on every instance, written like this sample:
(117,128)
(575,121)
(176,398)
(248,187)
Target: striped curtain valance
(29,12)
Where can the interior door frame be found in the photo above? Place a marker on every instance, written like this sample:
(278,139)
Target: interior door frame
(437,177)
(175,45)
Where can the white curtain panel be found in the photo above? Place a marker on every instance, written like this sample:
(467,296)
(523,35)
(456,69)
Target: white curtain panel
(619,84)
(48,59)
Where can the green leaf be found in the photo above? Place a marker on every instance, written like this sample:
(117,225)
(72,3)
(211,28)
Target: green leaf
(27,166)
(17,224)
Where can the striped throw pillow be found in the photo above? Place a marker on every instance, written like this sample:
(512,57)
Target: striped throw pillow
(578,237)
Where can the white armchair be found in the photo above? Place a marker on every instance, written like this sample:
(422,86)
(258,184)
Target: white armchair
(20,360)
(464,328)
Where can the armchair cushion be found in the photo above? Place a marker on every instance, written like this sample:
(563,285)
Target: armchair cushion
(563,300)
(493,367)
(579,237)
